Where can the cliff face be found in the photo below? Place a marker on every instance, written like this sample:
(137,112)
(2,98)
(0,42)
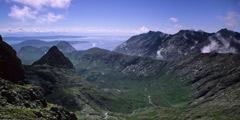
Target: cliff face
(19,100)
(10,65)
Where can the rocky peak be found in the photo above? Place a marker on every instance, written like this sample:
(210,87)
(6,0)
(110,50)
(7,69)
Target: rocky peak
(65,47)
(10,65)
(225,30)
(55,58)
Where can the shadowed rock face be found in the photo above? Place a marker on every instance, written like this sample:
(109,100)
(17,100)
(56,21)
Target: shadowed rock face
(10,65)
(55,58)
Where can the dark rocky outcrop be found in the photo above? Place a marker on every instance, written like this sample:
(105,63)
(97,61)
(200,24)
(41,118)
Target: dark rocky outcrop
(27,96)
(10,65)
(55,58)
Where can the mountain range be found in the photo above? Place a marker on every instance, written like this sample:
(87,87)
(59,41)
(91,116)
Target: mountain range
(163,46)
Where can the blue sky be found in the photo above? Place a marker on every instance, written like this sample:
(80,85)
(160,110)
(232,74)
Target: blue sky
(117,17)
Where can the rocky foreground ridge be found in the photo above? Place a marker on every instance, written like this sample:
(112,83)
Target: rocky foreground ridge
(20,100)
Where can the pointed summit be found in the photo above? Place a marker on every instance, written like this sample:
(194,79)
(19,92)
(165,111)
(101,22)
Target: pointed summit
(55,58)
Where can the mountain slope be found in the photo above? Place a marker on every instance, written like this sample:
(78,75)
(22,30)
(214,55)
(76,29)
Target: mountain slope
(215,88)
(132,79)
(186,42)
(193,82)
(56,75)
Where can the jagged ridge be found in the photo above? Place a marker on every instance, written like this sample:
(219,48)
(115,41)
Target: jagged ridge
(186,42)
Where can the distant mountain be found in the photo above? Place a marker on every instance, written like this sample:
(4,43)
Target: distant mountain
(19,100)
(163,46)
(34,43)
(40,43)
(65,47)
(55,58)
(30,54)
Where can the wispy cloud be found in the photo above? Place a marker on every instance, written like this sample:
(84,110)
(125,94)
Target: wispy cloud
(38,4)
(232,19)
(49,18)
(178,26)
(173,19)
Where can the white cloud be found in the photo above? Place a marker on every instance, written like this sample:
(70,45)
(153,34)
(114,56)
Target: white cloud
(49,18)
(173,19)
(143,29)
(31,11)
(38,4)
(22,14)
(26,15)
(222,46)
(94,44)
(232,19)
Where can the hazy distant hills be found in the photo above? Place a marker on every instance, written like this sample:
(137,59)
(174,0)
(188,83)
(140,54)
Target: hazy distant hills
(29,54)
(186,42)
(41,43)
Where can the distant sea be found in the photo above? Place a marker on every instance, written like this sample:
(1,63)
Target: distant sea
(78,42)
